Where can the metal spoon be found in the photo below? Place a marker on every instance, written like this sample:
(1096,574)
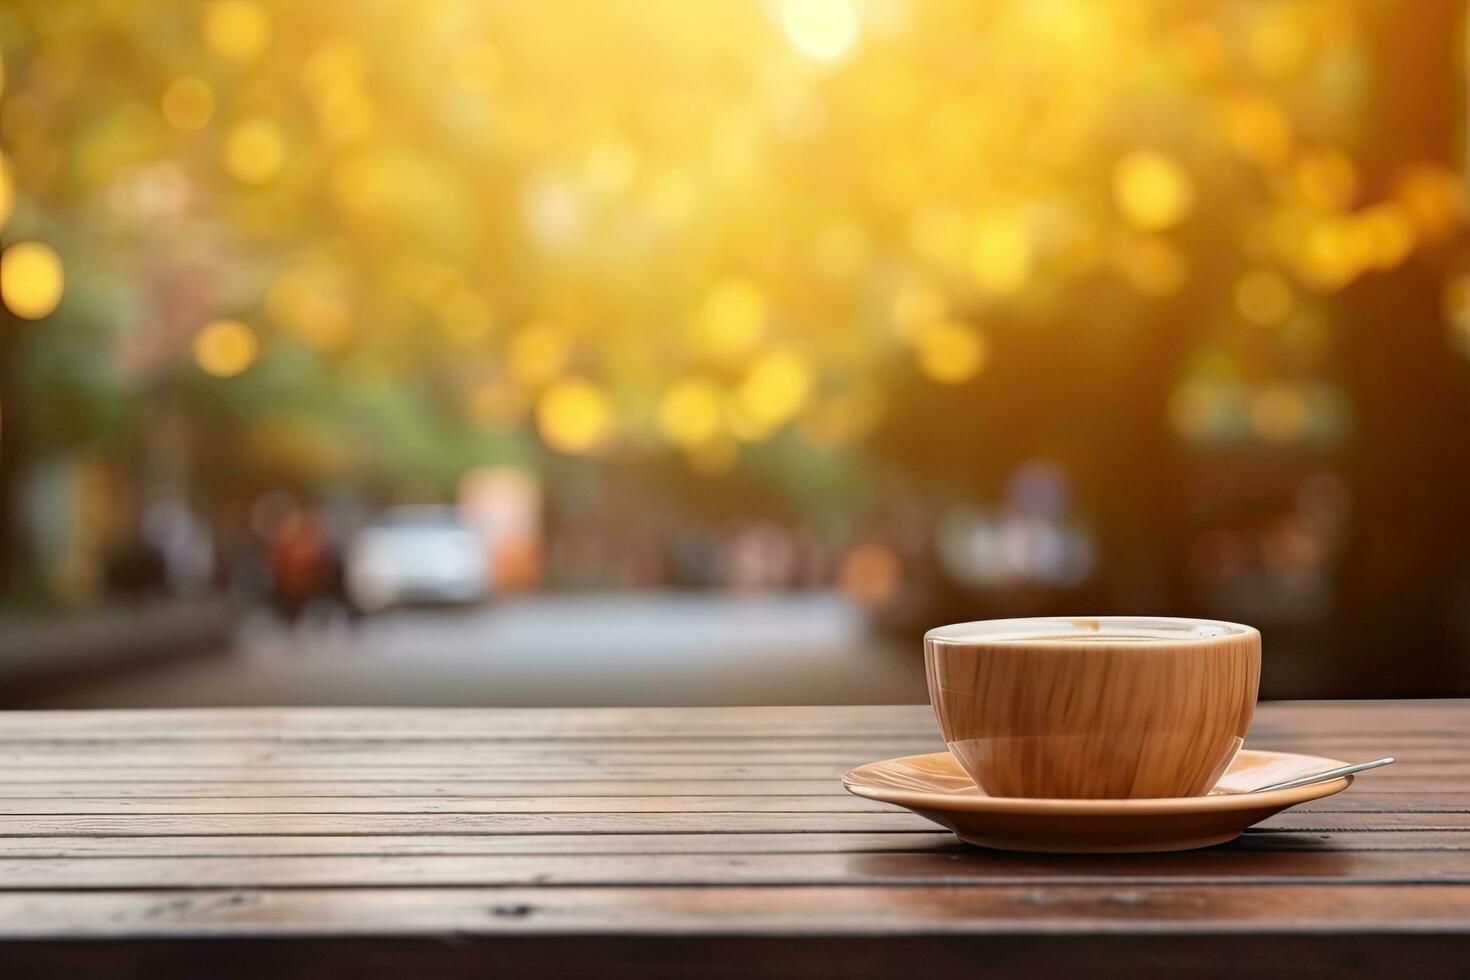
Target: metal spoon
(1324,775)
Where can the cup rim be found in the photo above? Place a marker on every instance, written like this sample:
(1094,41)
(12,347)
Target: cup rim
(1194,632)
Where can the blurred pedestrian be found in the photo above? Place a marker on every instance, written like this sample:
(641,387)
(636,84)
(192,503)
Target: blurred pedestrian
(300,562)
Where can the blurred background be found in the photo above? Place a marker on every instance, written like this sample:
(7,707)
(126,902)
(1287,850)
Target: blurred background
(690,351)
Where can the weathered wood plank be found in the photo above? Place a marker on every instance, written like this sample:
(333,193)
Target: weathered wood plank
(1366,794)
(630,747)
(1449,777)
(623,822)
(1450,769)
(122,825)
(256,752)
(949,867)
(404,724)
(430,844)
(1358,800)
(1363,800)
(1363,719)
(755,771)
(69,775)
(1381,812)
(189,806)
(694,843)
(765,911)
(1407,751)
(1326,821)
(1410,745)
(110,788)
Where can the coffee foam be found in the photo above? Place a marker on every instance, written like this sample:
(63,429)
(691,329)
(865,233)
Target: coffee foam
(1156,636)
(1086,631)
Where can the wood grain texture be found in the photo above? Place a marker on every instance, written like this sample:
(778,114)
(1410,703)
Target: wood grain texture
(732,910)
(326,843)
(1093,715)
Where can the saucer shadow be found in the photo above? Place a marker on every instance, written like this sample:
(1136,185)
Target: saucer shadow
(1254,853)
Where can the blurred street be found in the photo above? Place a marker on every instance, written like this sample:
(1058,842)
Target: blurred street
(585,649)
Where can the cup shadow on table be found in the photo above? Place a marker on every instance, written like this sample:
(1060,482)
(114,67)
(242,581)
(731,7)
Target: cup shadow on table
(1258,852)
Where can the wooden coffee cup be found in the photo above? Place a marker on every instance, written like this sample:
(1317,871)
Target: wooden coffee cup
(1108,708)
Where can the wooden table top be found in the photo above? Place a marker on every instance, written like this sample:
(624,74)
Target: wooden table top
(311,842)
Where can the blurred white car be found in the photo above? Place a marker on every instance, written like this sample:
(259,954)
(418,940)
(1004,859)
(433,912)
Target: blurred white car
(414,555)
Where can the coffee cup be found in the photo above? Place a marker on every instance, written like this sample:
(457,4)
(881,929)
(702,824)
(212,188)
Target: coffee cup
(1108,708)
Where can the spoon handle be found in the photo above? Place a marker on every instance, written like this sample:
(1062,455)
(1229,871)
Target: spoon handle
(1324,775)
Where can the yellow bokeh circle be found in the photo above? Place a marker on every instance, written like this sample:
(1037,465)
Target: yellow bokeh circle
(1000,254)
(950,352)
(225,348)
(32,280)
(732,319)
(237,29)
(254,151)
(690,413)
(774,390)
(1152,190)
(574,417)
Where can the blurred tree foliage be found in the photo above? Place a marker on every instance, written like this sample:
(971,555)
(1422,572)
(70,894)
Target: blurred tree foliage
(454,231)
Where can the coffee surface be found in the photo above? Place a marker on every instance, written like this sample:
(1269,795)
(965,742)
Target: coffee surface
(1081,638)
(1086,632)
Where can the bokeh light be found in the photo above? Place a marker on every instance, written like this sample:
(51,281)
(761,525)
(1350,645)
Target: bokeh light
(1257,128)
(1264,297)
(1433,198)
(575,417)
(254,151)
(914,307)
(32,280)
(1202,412)
(237,29)
(1327,180)
(1153,192)
(731,320)
(188,103)
(690,413)
(225,348)
(772,392)
(312,306)
(538,352)
(822,29)
(1279,413)
(1000,257)
(949,352)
